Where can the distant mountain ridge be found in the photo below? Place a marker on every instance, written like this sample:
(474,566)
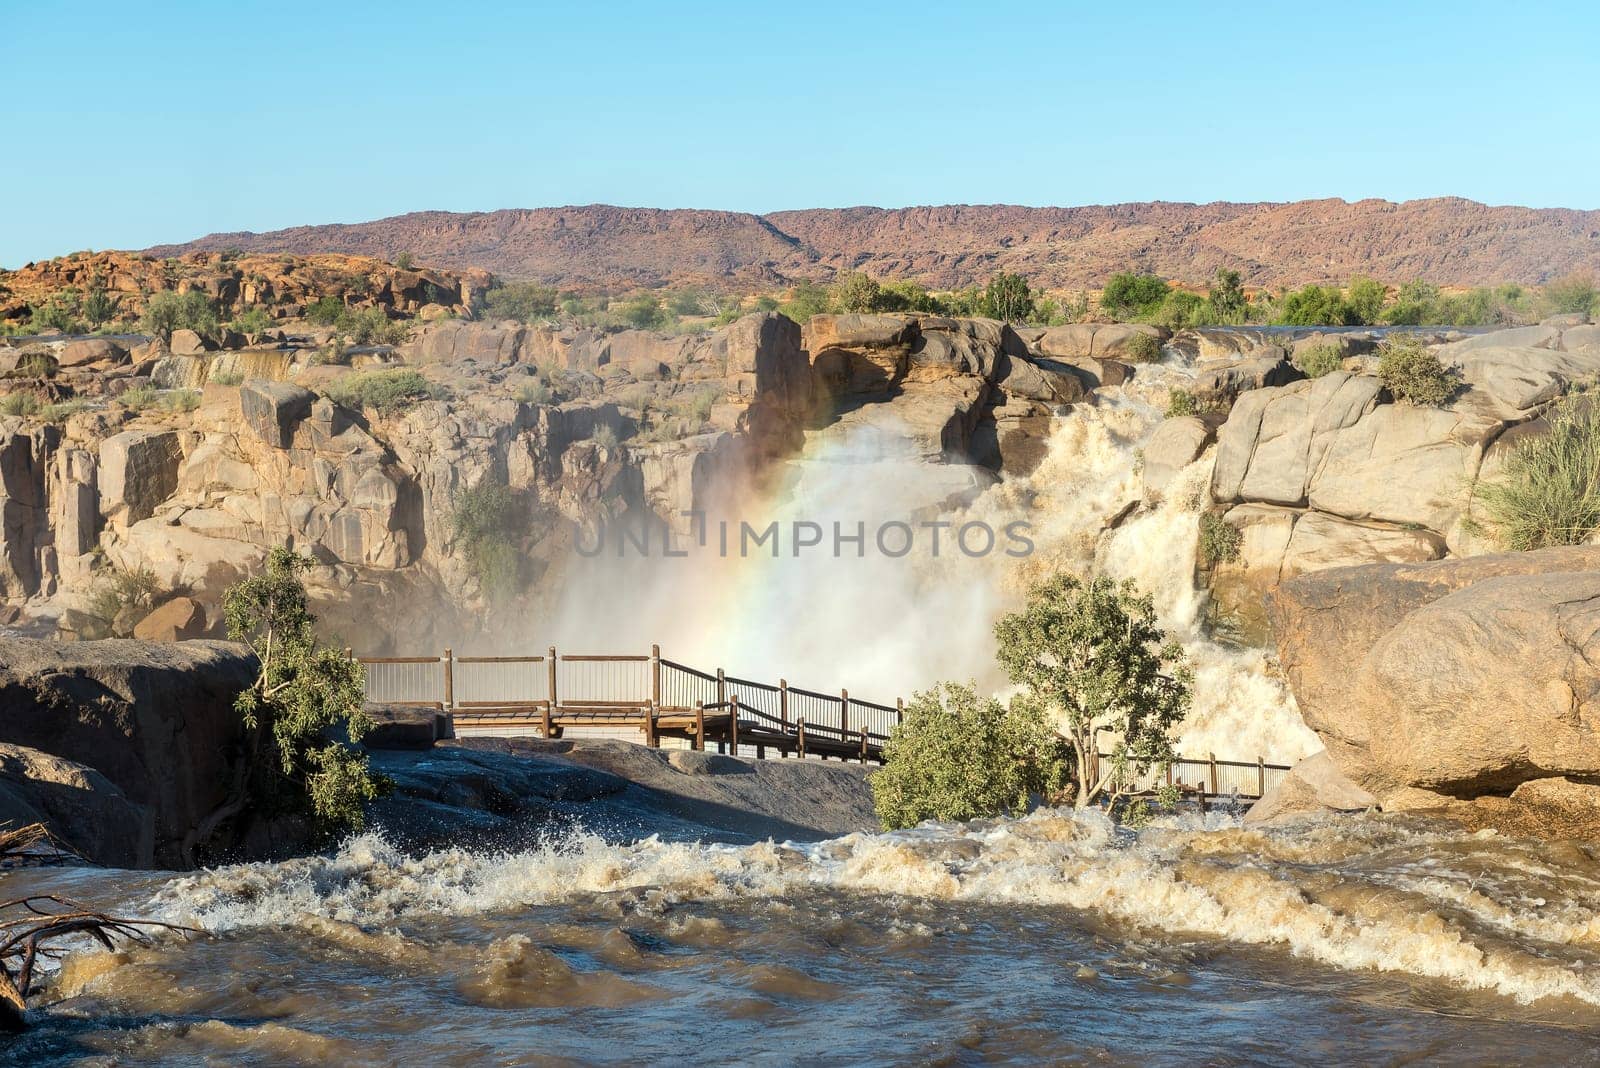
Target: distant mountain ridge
(1449,241)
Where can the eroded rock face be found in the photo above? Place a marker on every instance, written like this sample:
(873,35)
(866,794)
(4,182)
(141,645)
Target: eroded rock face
(1459,677)
(83,809)
(1331,472)
(154,718)
(138,473)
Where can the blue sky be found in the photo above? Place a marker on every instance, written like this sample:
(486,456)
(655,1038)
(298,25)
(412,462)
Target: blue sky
(133,124)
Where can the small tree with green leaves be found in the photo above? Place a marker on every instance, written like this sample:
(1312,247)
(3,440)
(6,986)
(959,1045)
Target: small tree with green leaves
(1008,298)
(1571,293)
(857,292)
(1093,653)
(958,756)
(167,311)
(99,306)
(1226,296)
(291,762)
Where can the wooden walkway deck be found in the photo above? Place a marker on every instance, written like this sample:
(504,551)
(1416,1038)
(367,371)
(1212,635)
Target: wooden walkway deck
(648,694)
(662,701)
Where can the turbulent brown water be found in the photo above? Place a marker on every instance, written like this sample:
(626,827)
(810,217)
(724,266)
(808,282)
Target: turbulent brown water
(1053,938)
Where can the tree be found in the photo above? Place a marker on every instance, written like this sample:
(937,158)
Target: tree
(1008,299)
(1133,296)
(808,299)
(856,292)
(1572,293)
(1315,306)
(167,311)
(1226,296)
(99,307)
(1093,653)
(956,756)
(523,301)
(289,761)
(1364,297)
(642,312)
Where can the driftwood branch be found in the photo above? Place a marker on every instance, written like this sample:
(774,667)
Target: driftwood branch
(28,926)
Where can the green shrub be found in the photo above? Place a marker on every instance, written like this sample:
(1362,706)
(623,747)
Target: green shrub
(1007,298)
(99,307)
(1226,297)
(383,391)
(36,363)
(1364,297)
(957,756)
(855,292)
(534,391)
(254,321)
(487,524)
(167,311)
(325,310)
(605,436)
(1573,293)
(806,300)
(371,326)
(403,261)
(1182,309)
(525,302)
(119,589)
(1413,374)
(59,313)
(226,378)
(1318,360)
(642,312)
(62,411)
(1548,492)
(1133,296)
(1180,403)
(1315,306)
(19,404)
(1220,540)
(148,398)
(1142,348)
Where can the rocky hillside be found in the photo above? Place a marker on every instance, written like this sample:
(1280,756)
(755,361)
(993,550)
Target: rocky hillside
(1448,241)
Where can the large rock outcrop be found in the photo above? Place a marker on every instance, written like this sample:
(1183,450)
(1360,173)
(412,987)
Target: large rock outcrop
(155,719)
(1457,677)
(1331,472)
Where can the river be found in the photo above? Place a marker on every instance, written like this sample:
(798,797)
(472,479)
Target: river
(1052,938)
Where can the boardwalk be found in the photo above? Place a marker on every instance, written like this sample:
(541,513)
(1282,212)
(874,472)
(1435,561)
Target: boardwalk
(657,701)
(650,696)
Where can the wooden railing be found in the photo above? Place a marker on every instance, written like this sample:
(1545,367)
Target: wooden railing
(661,698)
(1200,778)
(658,697)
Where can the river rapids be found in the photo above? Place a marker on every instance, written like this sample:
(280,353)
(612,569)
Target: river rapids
(1056,937)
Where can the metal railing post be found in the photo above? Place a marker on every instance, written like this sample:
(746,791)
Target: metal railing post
(1261,776)
(700,725)
(844,713)
(733,725)
(1213,758)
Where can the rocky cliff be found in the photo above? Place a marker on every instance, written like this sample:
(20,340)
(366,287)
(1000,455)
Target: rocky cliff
(1447,241)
